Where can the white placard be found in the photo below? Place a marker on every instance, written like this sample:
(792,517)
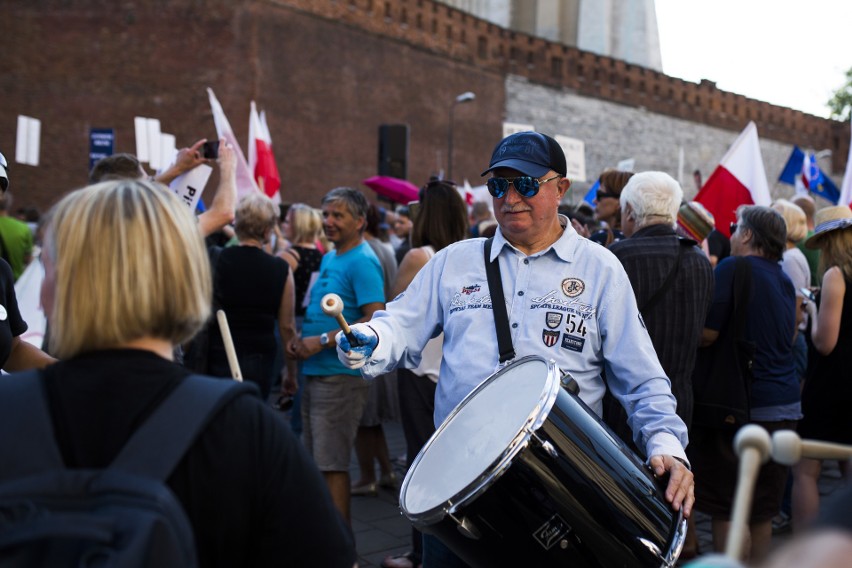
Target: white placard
(190,185)
(140,124)
(167,150)
(28,140)
(154,143)
(513,127)
(575,157)
(626,165)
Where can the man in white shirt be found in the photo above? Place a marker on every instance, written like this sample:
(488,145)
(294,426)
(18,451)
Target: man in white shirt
(568,299)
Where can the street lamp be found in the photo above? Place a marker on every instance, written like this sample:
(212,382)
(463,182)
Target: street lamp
(462,98)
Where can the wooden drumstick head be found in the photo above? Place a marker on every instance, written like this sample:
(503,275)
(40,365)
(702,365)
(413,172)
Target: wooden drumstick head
(788,448)
(753,446)
(332,305)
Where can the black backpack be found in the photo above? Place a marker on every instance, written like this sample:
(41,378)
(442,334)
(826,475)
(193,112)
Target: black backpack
(121,516)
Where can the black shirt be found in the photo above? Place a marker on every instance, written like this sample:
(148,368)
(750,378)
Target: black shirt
(11,323)
(251,492)
(719,245)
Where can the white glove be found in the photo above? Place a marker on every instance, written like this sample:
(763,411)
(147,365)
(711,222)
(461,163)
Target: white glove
(355,355)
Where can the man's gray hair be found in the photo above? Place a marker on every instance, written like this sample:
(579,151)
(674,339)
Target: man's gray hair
(654,197)
(355,202)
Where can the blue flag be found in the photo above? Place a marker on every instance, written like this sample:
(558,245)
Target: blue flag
(591,194)
(793,169)
(822,185)
(803,168)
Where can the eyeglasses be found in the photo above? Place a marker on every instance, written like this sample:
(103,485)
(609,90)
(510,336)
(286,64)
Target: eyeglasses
(527,186)
(733,228)
(604,194)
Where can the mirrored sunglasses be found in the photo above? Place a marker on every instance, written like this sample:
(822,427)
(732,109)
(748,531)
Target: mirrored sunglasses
(526,186)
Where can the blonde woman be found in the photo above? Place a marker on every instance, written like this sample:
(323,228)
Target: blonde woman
(126,280)
(793,262)
(827,396)
(795,265)
(302,228)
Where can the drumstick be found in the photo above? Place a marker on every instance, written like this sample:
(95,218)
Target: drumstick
(229,345)
(753,446)
(332,305)
(788,448)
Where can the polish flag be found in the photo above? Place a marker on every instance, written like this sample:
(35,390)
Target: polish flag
(846,188)
(467,193)
(739,179)
(245,181)
(261,162)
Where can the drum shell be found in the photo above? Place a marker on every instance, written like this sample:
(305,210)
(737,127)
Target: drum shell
(591,502)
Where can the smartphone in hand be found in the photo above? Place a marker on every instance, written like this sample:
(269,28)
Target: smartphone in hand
(210,150)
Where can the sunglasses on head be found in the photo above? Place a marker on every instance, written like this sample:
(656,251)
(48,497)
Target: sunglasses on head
(527,186)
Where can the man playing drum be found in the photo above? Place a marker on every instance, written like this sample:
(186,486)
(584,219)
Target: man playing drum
(567,298)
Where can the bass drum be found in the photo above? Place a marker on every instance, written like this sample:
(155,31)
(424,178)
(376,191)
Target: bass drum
(523,473)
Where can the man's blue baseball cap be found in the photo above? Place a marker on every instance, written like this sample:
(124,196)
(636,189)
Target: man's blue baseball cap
(531,153)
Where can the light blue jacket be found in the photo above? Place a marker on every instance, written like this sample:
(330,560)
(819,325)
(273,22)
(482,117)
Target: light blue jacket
(571,302)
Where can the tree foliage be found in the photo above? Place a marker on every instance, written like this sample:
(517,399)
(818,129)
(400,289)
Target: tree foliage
(841,103)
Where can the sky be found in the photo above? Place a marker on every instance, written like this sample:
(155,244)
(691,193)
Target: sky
(786,52)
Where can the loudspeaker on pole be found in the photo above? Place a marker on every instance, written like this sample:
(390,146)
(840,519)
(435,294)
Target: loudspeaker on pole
(393,150)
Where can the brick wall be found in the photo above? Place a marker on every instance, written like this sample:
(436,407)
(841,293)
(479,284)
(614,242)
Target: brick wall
(328,73)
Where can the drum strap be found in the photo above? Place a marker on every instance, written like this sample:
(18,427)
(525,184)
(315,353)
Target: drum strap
(498,305)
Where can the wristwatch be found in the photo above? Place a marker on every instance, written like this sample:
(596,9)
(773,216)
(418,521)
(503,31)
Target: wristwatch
(324,340)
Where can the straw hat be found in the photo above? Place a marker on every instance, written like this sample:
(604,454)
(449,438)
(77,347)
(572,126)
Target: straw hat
(829,219)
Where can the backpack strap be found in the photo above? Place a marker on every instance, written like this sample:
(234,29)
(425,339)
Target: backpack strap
(27,445)
(160,443)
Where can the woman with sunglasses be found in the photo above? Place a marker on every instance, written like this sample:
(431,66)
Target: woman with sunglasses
(608,206)
(759,236)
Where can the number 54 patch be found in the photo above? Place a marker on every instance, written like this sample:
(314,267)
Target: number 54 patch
(574,324)
(574,327)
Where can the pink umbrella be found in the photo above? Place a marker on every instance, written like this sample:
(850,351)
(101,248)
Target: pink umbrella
(395,189)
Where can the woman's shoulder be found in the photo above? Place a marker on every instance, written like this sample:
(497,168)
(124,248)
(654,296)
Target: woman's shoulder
(833,277)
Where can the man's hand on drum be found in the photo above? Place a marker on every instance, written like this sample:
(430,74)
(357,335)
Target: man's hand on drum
(356,356)
(680,491)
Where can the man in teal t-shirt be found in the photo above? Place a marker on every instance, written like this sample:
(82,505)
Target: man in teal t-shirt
(334,396)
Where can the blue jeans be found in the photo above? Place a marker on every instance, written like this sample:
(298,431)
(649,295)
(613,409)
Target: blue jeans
(437,555)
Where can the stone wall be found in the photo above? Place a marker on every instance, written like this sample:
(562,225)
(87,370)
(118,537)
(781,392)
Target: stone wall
(613,132)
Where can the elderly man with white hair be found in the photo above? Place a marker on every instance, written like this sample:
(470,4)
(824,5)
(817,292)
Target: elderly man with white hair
(671,278)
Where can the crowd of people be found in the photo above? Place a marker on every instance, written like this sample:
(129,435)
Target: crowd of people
(640,298)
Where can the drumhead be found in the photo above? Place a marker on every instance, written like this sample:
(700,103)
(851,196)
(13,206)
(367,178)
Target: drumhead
(479,435)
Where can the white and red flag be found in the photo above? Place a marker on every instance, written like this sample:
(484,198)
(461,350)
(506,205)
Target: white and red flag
(467,193)
(245,180)
(739,179)
(261,161)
